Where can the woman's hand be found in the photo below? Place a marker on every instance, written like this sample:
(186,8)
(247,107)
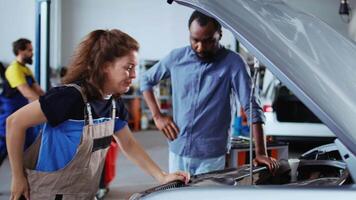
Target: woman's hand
(19,187)
(178,175)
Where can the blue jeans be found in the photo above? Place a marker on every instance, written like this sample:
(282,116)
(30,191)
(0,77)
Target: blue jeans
(195,165)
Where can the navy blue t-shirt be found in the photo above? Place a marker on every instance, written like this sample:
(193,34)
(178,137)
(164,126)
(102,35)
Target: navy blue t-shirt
(62,103)
(64,109)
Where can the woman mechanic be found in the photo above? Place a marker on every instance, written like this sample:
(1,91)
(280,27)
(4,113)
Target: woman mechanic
(80,117)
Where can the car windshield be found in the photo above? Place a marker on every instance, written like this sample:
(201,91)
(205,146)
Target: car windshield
(314,61)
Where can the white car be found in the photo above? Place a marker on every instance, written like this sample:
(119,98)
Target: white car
(287,118)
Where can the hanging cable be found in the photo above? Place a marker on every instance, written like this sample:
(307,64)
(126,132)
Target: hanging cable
(256,70)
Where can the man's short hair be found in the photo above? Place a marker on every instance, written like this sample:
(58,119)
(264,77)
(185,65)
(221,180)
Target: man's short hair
(20,45)
(203,20)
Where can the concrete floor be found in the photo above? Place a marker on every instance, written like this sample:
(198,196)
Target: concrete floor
(129,178)
(132,179)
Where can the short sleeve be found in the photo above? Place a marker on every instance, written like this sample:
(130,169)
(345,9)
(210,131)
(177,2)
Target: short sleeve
(156,73)
(15,76)
(122,112)
(119,124)
(61,103)
(122,116)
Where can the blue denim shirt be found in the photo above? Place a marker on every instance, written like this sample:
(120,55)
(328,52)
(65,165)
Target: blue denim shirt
(201,100)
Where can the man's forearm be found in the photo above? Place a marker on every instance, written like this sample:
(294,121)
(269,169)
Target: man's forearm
(31,95)
(260,140)
(28,92)
(152,103)
(38,89)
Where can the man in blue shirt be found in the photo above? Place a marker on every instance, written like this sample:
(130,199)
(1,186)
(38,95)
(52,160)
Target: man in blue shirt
(203,76)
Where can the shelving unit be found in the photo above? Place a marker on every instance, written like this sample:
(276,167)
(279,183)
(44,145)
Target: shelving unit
(137,106)
(132,103)
(162,91)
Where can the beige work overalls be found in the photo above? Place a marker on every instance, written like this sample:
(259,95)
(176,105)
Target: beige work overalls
(80,178)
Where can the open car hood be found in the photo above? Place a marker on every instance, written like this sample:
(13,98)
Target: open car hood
(313,60)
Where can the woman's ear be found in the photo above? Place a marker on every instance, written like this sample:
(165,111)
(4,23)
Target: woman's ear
(106,66)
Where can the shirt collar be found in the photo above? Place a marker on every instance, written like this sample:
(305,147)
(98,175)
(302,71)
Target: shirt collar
(107,97)
(220,53)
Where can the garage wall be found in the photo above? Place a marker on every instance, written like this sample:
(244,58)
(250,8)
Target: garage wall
(17,19)
(158,26)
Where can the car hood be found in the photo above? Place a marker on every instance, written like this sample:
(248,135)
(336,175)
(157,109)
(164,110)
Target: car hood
(313,60)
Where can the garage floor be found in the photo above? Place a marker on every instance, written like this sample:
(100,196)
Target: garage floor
(129,178)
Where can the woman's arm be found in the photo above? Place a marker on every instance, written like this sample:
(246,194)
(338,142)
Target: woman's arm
(133,150)
(16,125)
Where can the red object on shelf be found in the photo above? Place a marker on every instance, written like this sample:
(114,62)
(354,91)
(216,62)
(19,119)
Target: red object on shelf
(110,163)
(165,105)
(135,109)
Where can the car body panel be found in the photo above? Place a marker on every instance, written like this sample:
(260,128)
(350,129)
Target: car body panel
(314,61)
(275,128)
(310,172)
(253,193)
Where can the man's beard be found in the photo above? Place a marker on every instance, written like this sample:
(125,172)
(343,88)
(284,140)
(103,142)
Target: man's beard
(206,56)
(28,60)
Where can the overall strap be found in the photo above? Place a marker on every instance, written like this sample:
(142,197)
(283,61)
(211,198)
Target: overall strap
(113,109)
(87,105)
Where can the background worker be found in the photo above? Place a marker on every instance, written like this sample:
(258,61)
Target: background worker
(203,76)
(81,119)
(19,88)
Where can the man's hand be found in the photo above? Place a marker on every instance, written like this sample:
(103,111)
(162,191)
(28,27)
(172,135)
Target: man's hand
(270,162)
(167,126)
(163,123)
(261,153)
